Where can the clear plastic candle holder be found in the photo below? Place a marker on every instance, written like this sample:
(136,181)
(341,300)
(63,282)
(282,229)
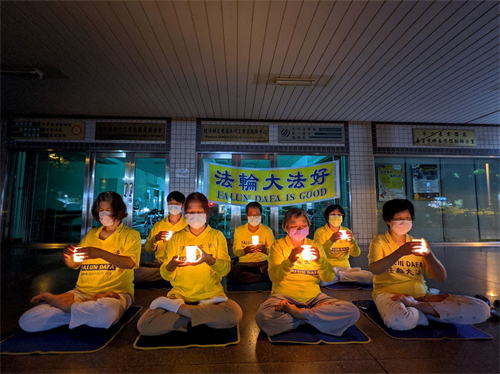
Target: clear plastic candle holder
(255,239)
(191,253)
(78,257)
(343,234)
(169,235)
(422,248)
(306,252)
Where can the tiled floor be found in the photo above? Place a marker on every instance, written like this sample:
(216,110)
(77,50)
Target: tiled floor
(470,271)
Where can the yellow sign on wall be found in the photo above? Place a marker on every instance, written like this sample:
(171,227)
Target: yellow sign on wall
(444,138)
(272,187)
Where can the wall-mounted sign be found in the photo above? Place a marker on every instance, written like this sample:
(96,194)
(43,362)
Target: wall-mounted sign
(425,181)
(182,173)
(235,133)
(46,130)
(272,187)
(444,138)
(310,134)
(129,131)
(390,182)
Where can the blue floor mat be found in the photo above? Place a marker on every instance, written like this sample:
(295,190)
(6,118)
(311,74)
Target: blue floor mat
(82,339)
(307,334)
(199,336)
(434,331)
(349,286)
(231,286)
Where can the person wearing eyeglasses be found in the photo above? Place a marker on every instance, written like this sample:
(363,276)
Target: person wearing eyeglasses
(339,244)
(296,265)
(399,264)
(251,265)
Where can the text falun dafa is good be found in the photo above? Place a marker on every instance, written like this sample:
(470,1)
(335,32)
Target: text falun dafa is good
(272,187)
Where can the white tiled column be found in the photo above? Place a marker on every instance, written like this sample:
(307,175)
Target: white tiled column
(362,179)
(183,155)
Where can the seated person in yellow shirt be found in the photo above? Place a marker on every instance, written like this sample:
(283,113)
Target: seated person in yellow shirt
(399,288)
(296,297)
(339,247)
(158,237)
(252,258)
(104,290)
(197,296)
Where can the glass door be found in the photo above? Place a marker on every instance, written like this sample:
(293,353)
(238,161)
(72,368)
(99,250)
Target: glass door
(141,180)
(221,215)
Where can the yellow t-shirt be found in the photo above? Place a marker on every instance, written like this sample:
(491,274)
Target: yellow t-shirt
(300,279)
(405,276)
(159,246)
(199,282)
(337,253)
(243,238)
(97,275)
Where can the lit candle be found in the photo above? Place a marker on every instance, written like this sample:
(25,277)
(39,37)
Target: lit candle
(255,239)
(422,248)
(168,235)
(78,257)
(343,234)
(306,253)
(191,253)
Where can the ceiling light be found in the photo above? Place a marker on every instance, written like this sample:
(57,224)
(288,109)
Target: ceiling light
(295,81)
(27,71)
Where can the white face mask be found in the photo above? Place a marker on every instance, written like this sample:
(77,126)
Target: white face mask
(335,221)
(174,209)
(196,220)
(105,218)
(401,227)
(255,220)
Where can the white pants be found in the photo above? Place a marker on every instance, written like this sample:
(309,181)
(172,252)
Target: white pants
(462,310)
(100,313)
(350,275)
(328,315)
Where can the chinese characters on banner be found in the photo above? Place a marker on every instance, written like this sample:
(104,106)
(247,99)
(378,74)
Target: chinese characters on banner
(390,182)
(425,181)
(272,187)
(444,138)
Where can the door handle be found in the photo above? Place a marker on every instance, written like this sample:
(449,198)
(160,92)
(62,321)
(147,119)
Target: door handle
(131,186)
(125,190)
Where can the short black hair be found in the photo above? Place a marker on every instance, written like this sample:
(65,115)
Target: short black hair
(253,205)
(177,196)
(117,205)
(392,207)
(331,208)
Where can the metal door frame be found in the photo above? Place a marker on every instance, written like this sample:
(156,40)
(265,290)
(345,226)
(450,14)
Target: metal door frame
(128,183)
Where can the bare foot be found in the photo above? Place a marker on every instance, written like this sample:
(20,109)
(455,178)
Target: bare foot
(292,309)
(110,294)
(43,297)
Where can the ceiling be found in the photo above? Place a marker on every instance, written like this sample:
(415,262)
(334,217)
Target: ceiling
(395,61)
